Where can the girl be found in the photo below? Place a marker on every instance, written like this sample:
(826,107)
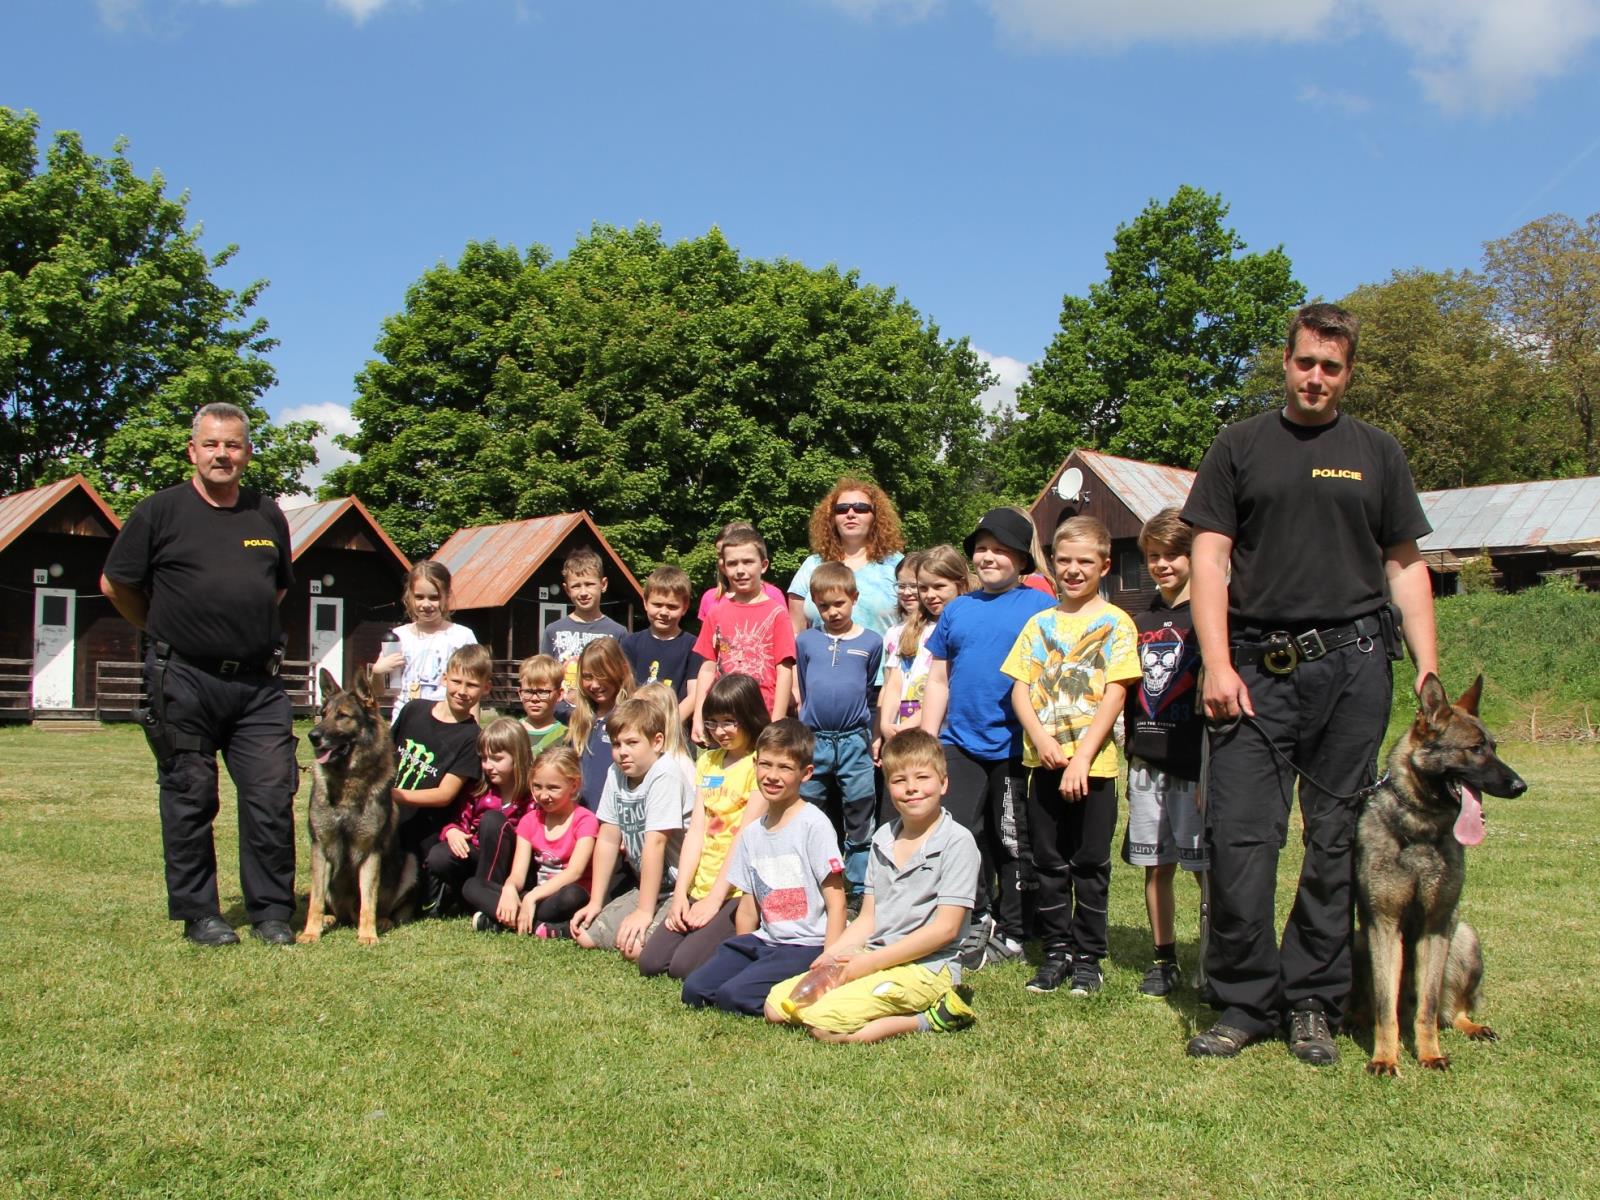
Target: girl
(555,840)
(939,576)
(604,680)
(427,643)
(676,746)
(476,846)
(726,799)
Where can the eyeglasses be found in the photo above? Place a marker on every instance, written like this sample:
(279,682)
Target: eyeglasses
(721,723)
(905,587)
(855,506)
(535,693)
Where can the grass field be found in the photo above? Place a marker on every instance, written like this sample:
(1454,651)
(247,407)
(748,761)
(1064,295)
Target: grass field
(443,1063)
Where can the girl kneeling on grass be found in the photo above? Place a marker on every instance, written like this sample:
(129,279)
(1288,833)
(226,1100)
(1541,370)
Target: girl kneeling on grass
(475,847)
(726,800)
(556,841)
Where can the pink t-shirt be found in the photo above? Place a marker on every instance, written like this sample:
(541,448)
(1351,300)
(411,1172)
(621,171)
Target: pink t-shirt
(710,599)
(749,639)
(551,858)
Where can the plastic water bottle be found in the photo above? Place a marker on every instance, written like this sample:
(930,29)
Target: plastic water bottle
(392,682)
(812,985)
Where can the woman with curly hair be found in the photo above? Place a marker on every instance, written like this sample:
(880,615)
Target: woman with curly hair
(857,525)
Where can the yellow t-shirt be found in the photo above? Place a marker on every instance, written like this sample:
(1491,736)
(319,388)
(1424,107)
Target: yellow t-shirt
(724,793)
(1066,659)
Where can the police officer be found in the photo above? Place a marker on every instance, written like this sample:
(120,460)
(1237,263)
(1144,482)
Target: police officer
(1317,518)
(201,568)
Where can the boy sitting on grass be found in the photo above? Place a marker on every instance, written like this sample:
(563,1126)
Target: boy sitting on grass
(899,972)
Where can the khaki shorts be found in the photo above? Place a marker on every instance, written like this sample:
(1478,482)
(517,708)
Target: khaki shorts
(896,992)
(603,930)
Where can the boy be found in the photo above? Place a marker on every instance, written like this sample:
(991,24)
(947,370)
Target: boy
(835,667)
(643,811)
(662,652)
(539,680)
(748,633)
(966,705)
(1163,724)
(436,756)
(787,864)
(1072,665)
(583,578)
(900,973)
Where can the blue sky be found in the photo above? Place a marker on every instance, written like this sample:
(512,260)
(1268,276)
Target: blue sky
(975,154)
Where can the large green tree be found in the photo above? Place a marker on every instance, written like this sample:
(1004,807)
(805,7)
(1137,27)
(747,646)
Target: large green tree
(664,388)
(112,329)
(1546,278)
(1151,362)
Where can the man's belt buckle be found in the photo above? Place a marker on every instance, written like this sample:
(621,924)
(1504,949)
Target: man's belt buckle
(228,666)
(1279,653)
(1310,645)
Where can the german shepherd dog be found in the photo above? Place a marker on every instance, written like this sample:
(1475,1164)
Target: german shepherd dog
(1409,869)
(358,873)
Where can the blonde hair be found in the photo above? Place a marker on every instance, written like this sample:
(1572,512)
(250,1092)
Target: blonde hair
(602,657)
(665,699)
(913,748)
(582,560)
(473,660)
(642,716)
(883,539)
(944,562)
(563,759)
(436,573)
(1041,560)
(1090,530)
(505,736)
(540,669)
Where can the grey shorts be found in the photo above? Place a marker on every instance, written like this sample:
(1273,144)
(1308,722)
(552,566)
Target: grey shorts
(1163,824)
(603,929)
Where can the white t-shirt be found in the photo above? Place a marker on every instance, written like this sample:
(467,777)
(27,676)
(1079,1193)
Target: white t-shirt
(426,655)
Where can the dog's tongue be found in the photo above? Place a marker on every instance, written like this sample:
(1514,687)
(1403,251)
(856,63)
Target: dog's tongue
(323,758)
(1469,825)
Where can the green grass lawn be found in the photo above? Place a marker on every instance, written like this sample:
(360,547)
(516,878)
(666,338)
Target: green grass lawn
(442,1063)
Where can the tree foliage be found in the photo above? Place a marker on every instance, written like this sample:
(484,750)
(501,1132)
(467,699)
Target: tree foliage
(112,330)
(1547,279)
(1151,363)
(666,389)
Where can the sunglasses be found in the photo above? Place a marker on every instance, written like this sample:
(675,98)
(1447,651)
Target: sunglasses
(857,506)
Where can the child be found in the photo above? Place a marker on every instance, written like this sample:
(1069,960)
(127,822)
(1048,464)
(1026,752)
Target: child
(428,641)
(556,840)
(642,812)
(583,578)
(604,681)
(726,799)
(715,595)
(676,746)
(967,706)
(748,633)
(436,755)
(539,680)
(835,667)
(898,970)
(1072,665)
(938,576)
(787,864)
(476,846)
(1164,727)
(663,652)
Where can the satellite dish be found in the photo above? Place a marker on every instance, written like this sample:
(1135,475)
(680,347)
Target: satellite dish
(1070,484)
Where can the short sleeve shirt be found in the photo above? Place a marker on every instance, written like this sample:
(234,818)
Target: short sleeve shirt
(835,675)
(1067,659)
(551,856)
(975,633)
(427,749)
(944,870)
(749,639)
(426,654)
(783,869)
(724,791)
(913,670)
(671,661)
(877,600)
(661,802)
(1163,719)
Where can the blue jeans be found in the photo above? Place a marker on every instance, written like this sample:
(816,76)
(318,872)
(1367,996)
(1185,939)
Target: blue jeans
(843,786)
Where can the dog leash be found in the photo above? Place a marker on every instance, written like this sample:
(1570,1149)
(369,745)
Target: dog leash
(1227,727)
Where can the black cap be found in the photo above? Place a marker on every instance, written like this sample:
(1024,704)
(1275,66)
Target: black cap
(1011,529)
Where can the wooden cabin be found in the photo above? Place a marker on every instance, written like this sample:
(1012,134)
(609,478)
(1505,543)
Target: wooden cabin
(1527,531)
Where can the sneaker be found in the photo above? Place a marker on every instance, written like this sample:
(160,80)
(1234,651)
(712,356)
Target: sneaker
(1160,979)
(953,1010)
(1311,1038)
(1002,950)
(1052,971)
(487,923)
(973,954)
(1086,977)
(554,930)
(1220,1041)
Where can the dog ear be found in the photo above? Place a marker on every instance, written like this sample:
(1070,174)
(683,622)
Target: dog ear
(1432,699)
(362,687)
(1469,698)
(327,685)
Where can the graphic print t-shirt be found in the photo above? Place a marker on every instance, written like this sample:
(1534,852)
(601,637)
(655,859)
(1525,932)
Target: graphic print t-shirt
(723,792)
(663,801)
(671,661)
(551,856)
(565,639)
(749,639)
(784,869)
(1066,659)
(1163,716)
(913,670)
(427,749)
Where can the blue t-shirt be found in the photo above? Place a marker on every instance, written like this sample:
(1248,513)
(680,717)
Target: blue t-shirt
(834,675)
(974,635)
(595,761)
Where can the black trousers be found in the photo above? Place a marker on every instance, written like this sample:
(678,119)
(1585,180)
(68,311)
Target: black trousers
(1328,717)
(1070,841)
(249,720)
(989,798)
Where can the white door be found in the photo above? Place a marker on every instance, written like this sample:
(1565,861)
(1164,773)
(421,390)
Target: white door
(549,613)
(327,636)
(54,616)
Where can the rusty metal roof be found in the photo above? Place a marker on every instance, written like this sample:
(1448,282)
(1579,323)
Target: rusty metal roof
(490,563)
(1551,514)
(1146,488)
(18,513)
(310,521)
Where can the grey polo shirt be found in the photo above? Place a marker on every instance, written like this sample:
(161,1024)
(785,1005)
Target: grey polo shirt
(943,871)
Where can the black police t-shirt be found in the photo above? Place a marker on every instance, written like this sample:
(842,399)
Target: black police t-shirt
(1310,510)
(212,574)
(654,660)
(1162,717)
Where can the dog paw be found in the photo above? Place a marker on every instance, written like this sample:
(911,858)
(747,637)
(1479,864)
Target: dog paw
(308,938)
(367,939)
(1383,1066)
(1441,1063)
(385,924)
(329,921)
(1481,1033)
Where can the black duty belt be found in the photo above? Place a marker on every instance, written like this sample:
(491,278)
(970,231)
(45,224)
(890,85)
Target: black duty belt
(229,668)
(1279,652)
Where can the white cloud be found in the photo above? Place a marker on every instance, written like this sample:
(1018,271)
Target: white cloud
(359,10)
(334,419)
(1013,372)
(1095,23)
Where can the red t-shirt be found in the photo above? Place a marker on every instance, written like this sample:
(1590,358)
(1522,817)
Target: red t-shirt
(750,639)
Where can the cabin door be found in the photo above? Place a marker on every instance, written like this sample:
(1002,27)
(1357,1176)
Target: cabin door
(327,637)
(54,618)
